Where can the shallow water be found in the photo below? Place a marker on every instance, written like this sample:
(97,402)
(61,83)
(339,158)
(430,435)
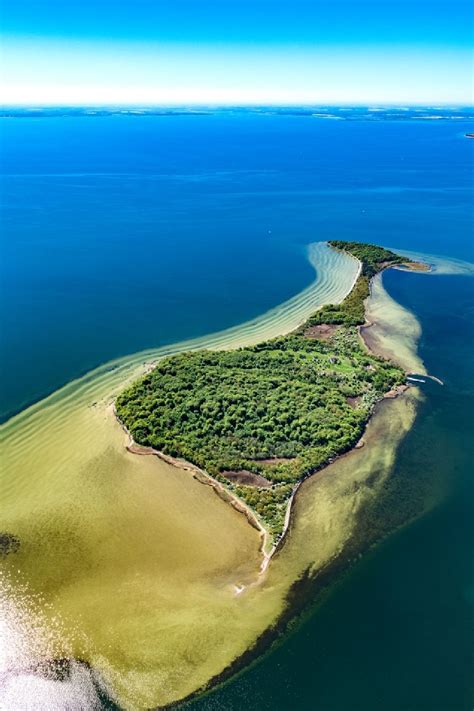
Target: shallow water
(145,547)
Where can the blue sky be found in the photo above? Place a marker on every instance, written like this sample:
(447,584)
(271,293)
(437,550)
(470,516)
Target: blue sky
(246,51)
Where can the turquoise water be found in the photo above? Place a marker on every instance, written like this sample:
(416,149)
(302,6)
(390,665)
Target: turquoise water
(121,233)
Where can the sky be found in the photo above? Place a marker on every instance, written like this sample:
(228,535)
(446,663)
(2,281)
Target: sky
(173,52)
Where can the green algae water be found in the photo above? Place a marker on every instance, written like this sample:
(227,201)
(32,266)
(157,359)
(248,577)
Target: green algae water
(101,557)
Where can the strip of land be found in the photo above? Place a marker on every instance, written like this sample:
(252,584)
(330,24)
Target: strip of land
(259,420)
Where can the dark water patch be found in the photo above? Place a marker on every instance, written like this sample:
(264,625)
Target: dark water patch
(8,544)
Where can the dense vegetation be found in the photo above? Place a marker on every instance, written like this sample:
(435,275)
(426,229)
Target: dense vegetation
(280,409)
(351,311)
(372,257)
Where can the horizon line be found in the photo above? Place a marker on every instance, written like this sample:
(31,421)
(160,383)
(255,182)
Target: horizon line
(227,104)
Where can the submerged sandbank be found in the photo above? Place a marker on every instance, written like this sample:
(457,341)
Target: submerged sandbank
(392,331)
(139,562)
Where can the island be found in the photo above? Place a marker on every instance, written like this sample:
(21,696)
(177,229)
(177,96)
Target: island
(259,420)
(273,425)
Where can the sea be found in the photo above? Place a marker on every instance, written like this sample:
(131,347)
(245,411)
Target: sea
(127,230)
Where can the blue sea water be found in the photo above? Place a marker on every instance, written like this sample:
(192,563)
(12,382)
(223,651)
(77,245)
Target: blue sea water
(124,232)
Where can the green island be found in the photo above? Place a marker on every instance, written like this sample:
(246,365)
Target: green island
(261,419)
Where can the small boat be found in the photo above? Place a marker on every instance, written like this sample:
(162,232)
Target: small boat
(415,380)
